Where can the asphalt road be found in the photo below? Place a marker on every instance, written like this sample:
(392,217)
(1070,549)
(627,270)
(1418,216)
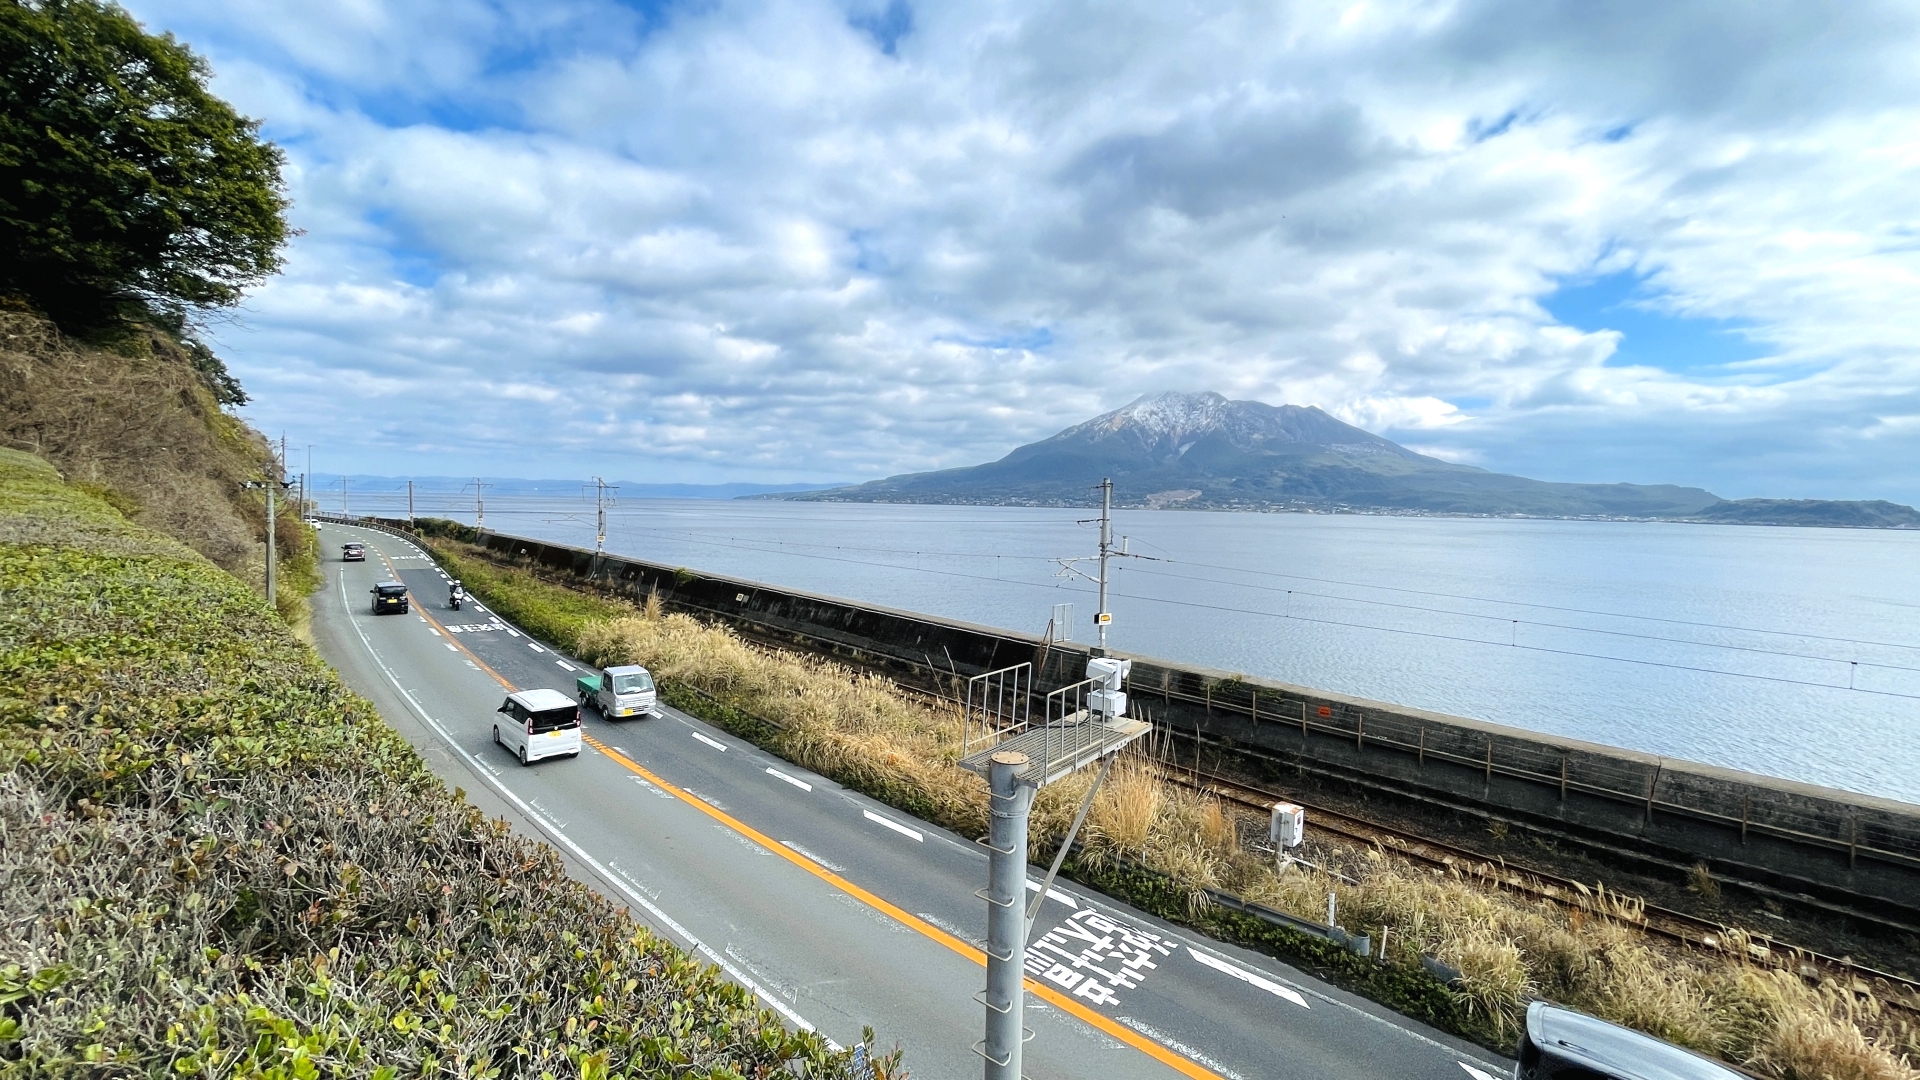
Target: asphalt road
(837,911)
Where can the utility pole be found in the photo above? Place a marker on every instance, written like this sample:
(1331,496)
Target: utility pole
(600,489)
(1108,550)
(343,495)
(479,504)
(1010,797)
(1102,618)
(409,504)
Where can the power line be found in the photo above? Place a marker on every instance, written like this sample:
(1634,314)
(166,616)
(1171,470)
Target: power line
(1534,622)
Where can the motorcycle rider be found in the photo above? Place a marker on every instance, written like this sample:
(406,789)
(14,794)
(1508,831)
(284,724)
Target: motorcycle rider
(455,594)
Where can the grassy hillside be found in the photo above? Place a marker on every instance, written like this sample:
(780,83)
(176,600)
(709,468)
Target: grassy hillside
(219,862)
(137,425)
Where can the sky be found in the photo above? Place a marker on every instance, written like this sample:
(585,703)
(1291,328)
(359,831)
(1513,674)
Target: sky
(1669,242)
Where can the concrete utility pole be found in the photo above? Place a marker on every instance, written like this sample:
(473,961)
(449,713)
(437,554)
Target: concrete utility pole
(479,504)
(1108,550)
(343,496)
(600,489)
(1010,797)
(409,504)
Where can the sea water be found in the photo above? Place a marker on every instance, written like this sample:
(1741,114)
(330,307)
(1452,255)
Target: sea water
(1793,652)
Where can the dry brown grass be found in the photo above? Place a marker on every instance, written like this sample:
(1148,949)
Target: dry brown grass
(143,432)
(1509,949)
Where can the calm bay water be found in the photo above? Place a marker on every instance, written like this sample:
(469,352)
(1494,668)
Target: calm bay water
(1730,645)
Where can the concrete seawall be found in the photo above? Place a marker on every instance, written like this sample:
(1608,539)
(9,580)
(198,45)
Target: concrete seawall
(1809,845)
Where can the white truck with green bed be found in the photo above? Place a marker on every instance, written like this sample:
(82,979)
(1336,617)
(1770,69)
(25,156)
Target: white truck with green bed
(620,691)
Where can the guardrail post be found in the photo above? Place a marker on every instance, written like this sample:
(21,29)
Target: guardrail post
(1011,797)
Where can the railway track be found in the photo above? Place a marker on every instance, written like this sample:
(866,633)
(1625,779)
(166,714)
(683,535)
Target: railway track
(1665,923)
(1677,927)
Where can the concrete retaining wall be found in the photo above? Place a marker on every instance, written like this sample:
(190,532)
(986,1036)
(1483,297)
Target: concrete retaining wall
(1832,849)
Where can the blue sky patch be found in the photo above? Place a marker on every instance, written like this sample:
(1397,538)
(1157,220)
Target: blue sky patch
(886,27)
(1621,301)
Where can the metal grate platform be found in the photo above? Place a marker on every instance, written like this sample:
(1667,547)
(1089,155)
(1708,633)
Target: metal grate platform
(1059,749)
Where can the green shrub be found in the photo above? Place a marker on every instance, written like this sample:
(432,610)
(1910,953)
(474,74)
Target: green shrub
(220,862)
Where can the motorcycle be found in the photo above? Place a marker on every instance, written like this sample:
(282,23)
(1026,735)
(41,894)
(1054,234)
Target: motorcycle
(455,597)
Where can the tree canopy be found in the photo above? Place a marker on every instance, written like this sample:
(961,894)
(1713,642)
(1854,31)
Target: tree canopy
(127,190)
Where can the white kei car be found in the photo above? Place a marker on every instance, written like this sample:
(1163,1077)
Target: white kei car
(538,724)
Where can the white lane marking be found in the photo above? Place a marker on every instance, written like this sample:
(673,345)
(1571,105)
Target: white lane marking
(566,665)
(451,647)
(534,647)
(1179,1047)
(456,629)
(512,631)
(795,781)
(422,618)
(579,852)
(1476,1073)
(811,855)
(715,743)
(894,825)
(477,607)
(1250,978)
(1053,894)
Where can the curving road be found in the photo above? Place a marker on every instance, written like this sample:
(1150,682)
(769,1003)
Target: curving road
(837,911)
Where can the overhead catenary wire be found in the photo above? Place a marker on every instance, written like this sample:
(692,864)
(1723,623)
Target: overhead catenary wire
(772,546)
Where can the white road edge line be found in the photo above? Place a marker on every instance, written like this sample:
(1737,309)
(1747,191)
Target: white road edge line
(579,852)
(715,743)
(1250,978)
(894,825)
(1053,894)
(795,781)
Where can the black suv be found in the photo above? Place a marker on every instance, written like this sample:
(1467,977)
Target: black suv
(353,553)
(389,598)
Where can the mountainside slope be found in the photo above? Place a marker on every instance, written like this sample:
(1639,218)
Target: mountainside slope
(1202,450)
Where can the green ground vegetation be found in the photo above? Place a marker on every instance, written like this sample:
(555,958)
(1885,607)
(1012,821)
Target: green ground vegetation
(219,862)
(1169,851)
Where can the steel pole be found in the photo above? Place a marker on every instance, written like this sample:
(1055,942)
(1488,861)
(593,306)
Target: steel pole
(1106,540)
(1009,801)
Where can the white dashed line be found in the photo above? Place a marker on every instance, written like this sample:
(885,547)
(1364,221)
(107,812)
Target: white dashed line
(451,647)
(715,743)
(815,858)
(566,665)
(433,631)
(1477,1074)
(1250,978)
(894,825)
(534,647)
(510,630)
(801,784)
(1179,1047)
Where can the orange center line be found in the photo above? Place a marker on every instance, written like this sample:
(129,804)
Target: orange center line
(449,635)
(911,921)
(906,918)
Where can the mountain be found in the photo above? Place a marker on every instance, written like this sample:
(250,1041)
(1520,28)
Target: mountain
(1204,451)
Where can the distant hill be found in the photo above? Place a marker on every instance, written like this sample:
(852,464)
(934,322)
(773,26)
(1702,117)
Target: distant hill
(1877,514)
(632,489)
(1203,451)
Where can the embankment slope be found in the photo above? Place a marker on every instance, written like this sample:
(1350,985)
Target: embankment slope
(220,862)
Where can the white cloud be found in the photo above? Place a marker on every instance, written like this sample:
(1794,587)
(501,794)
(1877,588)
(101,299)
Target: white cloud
(739,239)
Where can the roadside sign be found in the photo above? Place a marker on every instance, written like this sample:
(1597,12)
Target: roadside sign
(1104,618)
